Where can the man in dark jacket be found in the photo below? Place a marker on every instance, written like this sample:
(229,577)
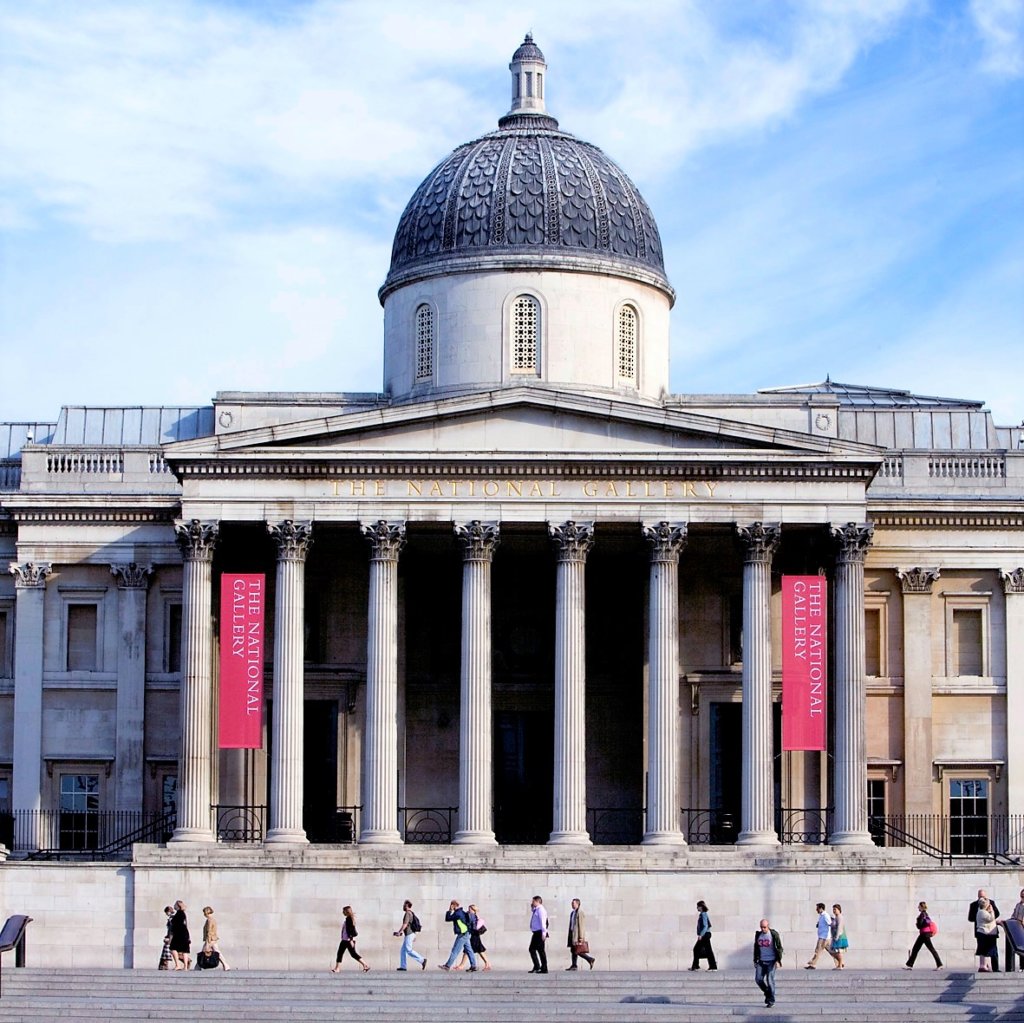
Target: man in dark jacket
(972,916)
(456,916)
(767,956)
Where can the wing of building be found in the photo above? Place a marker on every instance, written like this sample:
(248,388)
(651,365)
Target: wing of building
(524,594)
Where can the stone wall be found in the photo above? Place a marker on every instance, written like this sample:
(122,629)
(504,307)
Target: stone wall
(281,909)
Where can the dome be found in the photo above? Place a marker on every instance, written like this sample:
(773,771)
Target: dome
(527,196)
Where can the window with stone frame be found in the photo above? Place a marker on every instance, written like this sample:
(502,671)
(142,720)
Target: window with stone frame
(968,816)
(82,624)
(626,331)
(425,342)
(6,641)
(525,334)
(172,638)
(79,806)
(967,635)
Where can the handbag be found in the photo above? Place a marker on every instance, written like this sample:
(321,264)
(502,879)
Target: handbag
(581,948)
(930,929)
(842,942)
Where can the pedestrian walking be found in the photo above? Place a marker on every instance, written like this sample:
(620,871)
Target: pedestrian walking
(703,949)
(456,916)
(166,956)
(477,928)
(823,934)
(181,942)
(538,935)
(348,941)
(1011,963)
(972,916)
(839,942)
(767,959)
(407,931)
(579,946)
(987,937)
(211,938)
(926,930)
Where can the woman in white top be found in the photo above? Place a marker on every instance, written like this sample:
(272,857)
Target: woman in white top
(986,934)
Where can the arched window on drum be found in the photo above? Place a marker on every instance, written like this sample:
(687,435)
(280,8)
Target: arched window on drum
(627,331)
(525,334)
(424,342)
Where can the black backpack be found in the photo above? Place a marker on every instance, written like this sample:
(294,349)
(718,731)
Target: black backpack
(415,926)
(208,960)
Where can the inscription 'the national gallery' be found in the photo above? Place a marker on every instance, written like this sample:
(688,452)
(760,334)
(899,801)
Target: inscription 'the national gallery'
(527,490)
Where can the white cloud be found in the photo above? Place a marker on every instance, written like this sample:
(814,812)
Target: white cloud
(1000,23)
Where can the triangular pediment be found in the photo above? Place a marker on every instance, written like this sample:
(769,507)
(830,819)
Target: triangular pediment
(521,421)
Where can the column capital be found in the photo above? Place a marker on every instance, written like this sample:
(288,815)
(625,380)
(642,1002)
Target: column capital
(853,540)
(196,539)
(667,540)
(478,539)
(292,538)
(1013,581)
(917,579)
(760,541)
(573,539)
(30,575)
(131,576)
(386,539)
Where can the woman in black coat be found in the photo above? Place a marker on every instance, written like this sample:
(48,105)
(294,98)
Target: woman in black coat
(181,943)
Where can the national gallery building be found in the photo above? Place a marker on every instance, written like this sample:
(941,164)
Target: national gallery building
(523,596)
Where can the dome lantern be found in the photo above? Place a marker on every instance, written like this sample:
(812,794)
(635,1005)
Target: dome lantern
(529,70)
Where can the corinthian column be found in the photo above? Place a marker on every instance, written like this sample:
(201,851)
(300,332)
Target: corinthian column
(132,584)
(380,757)
(195,812)
(850,826)
(757,823)
(30,585)
(1013,587)
(667,539)
(479,540)
(573,541)
(286,789)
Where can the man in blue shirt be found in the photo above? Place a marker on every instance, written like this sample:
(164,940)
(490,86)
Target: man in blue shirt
(538,935)
(456,916)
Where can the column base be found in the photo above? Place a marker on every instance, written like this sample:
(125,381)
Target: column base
(191,835)
(569,838)
(664,838)
(763,838)
(286,836)
(380,836)
(862,838)
(474,838)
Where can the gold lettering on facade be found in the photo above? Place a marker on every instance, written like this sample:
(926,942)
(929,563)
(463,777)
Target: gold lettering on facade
(415,489)
(589,489)
(435,489)
(513,488)
(490,488)
(527,489)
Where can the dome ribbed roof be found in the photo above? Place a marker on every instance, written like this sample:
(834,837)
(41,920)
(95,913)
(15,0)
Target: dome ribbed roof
(527,194)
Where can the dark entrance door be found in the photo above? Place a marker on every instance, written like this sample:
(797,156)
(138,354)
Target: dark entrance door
(523,773)
(320,770)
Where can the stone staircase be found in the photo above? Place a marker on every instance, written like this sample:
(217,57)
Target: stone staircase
(35,995)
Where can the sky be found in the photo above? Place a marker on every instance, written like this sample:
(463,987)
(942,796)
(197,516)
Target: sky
(200,195)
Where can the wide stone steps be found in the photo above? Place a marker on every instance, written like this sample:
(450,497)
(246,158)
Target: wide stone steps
(37,995)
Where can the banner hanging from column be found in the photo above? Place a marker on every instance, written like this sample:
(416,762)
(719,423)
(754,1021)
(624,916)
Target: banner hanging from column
(804,661)
(242,599)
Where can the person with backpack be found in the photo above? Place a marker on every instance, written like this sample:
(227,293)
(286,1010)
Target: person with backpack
(408,930)
(456,916)
(926,930)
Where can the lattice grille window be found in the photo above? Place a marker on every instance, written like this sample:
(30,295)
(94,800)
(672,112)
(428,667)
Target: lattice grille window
(626,346)
(525,334)
(424,342)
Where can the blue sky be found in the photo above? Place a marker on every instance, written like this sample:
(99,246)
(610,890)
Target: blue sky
(201,196)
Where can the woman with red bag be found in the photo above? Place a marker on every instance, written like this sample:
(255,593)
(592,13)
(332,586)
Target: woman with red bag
(926,930)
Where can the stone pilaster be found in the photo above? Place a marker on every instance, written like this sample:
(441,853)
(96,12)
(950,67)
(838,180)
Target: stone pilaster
(573,541)
(380,751)
(757,812)
(286,768)
(476,827)
(1013,587)
(195,779)
(30,586)
(132,586)
(917,687)
(667,540)
(850,826)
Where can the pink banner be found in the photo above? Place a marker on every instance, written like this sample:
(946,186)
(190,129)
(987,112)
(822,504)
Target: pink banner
(804,661)
(242,599)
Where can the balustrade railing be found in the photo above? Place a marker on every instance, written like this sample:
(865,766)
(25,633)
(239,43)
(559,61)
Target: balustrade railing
(982,467)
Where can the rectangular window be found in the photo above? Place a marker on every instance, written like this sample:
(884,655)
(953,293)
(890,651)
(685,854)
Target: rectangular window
(79,811)
(968,816)
(172,657)
(876,809)
(82,636)
(967,641)
(734,609)
(529,83)
(6,667)
(873,642)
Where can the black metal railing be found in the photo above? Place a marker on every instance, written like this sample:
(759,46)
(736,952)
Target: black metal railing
(239,822)
(996,837)
(615,825)
(710,826)
(803,825)
(427,825)
(84,834)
